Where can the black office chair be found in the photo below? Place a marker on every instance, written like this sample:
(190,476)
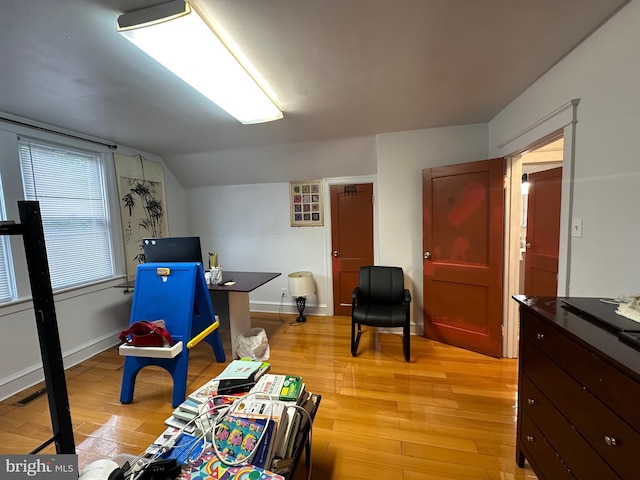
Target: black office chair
(380,300)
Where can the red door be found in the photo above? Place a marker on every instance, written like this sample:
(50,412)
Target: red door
(463,214)
(351,240)
(543,233)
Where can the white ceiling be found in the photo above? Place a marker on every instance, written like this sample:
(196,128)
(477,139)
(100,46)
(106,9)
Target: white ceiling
(338,68)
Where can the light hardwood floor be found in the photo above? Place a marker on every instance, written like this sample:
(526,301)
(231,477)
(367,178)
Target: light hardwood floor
(449,414)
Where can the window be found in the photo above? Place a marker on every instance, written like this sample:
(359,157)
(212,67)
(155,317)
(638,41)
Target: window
(7,282)
(70,186)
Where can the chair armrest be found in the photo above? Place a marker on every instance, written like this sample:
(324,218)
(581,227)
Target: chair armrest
(407,296)
(355,296)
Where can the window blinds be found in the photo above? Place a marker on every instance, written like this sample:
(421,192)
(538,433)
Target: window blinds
(70,186)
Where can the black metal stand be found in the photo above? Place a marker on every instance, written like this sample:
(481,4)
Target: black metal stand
(300,303)
(43,304)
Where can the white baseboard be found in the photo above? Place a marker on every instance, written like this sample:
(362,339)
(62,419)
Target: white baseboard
(288,308)
(34,374)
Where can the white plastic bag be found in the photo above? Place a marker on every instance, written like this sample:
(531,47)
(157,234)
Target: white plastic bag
(253,344)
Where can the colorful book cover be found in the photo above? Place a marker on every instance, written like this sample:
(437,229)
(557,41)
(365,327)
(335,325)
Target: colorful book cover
(205,392)
(209,467)
(291,388)
(237,437)
(253,407)
(282,387)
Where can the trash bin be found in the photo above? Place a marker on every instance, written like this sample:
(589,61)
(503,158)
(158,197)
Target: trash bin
(253,344)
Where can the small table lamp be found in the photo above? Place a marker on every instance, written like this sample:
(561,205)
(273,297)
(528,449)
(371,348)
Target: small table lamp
(301,285)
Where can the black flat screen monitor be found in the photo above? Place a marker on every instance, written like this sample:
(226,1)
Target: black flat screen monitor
(172,249)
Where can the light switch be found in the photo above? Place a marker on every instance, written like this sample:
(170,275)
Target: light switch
(576,228)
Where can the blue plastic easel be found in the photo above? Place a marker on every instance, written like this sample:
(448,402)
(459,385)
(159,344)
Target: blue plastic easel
(176,293)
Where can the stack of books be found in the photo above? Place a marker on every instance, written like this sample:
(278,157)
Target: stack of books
(286,391)
(240,376)
(268,430)
(254,407)
(235,381)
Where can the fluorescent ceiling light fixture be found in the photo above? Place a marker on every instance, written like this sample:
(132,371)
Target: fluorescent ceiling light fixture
(177,37)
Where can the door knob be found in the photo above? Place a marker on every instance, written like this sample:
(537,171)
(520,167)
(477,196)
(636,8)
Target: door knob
(427,255)
(335,253)
(611,441)
(528,245)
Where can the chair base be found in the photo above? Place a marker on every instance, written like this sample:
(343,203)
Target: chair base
(355,341)
(177,368)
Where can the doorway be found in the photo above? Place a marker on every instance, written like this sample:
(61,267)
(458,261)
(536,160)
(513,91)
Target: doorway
(550,152)
(539,219)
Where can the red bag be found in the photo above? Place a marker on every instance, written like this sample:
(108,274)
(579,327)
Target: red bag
(146,334)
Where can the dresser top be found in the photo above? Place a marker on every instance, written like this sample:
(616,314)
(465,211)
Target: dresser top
(590,327)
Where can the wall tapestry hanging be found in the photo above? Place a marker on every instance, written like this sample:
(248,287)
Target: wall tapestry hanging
(306,203)
(142,205)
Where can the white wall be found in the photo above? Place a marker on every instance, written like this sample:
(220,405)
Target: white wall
(401,158)
(249,224)
(341,157)
(89,318)
(249,227)
(604,73)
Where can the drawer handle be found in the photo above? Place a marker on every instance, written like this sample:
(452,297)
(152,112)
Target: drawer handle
(531,401)
(611,441)
(530,438)
(540,336)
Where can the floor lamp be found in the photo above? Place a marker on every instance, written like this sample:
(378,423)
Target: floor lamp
(301,285)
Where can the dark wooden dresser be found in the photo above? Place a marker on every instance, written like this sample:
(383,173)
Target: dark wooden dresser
(578,392)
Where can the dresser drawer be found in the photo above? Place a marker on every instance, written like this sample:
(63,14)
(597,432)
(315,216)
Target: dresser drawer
(574,451)
(615,441)
(613,387)
(540,454)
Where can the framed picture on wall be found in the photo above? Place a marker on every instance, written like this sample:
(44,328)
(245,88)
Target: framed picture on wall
(306,203)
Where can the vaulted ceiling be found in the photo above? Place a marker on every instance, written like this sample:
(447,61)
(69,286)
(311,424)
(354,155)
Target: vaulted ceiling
(338,68)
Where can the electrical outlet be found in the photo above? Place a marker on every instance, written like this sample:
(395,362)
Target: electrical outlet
(283,292)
